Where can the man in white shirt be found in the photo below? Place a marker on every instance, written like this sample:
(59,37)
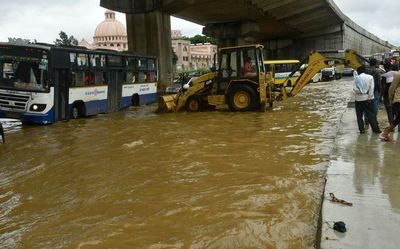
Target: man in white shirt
(363,90)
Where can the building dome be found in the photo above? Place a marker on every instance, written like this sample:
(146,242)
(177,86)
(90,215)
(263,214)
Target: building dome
(111,33)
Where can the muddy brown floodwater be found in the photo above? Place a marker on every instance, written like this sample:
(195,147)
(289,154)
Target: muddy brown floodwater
(136,179)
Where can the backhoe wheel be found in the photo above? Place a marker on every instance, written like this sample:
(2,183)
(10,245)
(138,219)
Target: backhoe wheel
(242,98)
(194,104)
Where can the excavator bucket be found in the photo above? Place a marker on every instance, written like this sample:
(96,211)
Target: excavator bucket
(167,103)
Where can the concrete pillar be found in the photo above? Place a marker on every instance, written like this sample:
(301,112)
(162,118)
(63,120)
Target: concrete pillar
(150,34)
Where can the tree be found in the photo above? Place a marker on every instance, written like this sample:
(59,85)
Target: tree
(202,39)
(20,41)
(66,40)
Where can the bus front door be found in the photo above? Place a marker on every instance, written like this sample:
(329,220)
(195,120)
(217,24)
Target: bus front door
(61,94)
(115,91)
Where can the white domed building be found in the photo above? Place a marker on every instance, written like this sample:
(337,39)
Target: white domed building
(109,34)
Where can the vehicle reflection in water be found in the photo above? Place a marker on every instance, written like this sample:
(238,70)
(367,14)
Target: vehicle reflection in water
(137,179)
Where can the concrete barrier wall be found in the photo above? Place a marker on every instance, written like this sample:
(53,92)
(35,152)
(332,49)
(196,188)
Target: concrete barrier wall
(363,44)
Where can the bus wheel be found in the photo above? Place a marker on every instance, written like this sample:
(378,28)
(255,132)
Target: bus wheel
(242,98)
(194,104)
(75,113)
(135,101)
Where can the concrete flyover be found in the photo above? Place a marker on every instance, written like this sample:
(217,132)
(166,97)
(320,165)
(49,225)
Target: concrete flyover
(287,28)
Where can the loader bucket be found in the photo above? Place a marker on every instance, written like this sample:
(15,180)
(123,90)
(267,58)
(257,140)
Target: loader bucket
(167,103)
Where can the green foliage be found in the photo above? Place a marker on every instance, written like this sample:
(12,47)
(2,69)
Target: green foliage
(65,40)
(187,73)
(199,39)
(202,39)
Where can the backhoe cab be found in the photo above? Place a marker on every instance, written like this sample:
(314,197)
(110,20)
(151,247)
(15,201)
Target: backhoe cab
(239,83)
(242,83)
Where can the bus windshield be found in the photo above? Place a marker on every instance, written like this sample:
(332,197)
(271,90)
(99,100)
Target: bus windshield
(23,72)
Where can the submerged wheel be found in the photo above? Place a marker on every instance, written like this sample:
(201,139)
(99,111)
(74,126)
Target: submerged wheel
(242,98)
(75,112)
(78,110)
(194,104)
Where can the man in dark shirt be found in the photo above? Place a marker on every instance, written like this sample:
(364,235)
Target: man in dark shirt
(374,71)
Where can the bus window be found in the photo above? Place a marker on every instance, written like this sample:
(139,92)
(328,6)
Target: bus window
(97,61)
(142,77)
(151,65)
(151,77)
(114,61)
(130,77)
(82,60)
(280,70)
(131,63)
(99,78)
(79,79)
(25,73)
(72,59)
(141,64)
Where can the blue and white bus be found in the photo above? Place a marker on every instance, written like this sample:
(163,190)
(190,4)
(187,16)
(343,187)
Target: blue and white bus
(45,83)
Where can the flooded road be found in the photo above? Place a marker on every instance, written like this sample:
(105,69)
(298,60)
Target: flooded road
(137,179)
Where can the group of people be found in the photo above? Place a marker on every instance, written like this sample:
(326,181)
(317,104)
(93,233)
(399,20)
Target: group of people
(371,84)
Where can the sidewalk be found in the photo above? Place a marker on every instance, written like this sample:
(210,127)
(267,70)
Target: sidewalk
(366,172)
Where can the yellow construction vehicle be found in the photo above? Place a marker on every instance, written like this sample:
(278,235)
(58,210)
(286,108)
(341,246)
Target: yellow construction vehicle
(242,83)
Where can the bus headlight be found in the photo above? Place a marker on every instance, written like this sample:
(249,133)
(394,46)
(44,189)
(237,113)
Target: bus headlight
(37,107)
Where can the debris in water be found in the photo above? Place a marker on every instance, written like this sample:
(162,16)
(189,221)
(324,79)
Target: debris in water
(339,226)
(334,199)
(133,144)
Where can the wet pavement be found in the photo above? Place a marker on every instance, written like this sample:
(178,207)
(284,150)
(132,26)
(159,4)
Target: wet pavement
(365,172)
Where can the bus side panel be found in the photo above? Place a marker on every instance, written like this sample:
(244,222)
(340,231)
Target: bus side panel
(94,98)
(127,93)
(147,93)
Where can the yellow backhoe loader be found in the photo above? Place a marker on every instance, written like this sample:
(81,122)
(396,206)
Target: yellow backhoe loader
(242,83)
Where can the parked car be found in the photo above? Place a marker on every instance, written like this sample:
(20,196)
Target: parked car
(348,71)
(317,78)
(328,73)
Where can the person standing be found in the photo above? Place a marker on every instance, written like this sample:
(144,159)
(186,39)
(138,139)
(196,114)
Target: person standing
(3,139)
(374,71)
(394,101)
(363,90)
(387,79)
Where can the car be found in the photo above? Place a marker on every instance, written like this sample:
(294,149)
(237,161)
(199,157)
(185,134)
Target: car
(348,71)
(317,78)
(174,88)
(328,73)
(189,83)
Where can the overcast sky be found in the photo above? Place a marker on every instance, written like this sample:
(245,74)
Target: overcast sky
(43,19)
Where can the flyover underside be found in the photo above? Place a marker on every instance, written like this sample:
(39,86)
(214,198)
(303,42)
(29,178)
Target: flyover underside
(362,43)
(287,28)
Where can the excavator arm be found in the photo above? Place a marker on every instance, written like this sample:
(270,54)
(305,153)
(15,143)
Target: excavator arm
(317,61)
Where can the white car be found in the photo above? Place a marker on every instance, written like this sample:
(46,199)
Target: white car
(317,78)
(189,83)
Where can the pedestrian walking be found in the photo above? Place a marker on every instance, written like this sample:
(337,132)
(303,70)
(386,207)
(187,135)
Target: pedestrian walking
(387,79)
(394,101)
(375,72)
(363,89)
